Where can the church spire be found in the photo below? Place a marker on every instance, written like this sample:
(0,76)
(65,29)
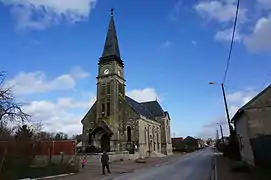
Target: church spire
(111,47)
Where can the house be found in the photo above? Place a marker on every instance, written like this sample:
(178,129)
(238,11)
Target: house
(191,144)
(177,144)
(116,122)
(253,127)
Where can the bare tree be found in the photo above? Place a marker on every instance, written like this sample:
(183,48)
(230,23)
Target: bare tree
(10,110)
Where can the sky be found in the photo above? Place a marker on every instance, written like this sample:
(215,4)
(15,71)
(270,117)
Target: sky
(171,50)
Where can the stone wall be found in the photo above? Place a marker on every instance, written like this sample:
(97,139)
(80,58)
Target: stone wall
(149,137)
(244,140)
(113,157)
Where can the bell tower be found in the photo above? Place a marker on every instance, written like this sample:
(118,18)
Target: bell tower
(110,80)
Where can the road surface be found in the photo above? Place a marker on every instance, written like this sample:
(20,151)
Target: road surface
(194,166)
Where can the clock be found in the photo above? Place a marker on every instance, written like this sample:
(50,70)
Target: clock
(119,72)
(106,71)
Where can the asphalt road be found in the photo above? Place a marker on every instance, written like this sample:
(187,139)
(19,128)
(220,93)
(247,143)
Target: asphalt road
(194,166)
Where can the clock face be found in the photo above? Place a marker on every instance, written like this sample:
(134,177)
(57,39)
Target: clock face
(106,71)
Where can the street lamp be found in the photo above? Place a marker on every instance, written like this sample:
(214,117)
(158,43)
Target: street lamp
(226,106)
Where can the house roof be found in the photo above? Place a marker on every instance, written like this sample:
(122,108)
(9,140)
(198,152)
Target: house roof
(189,138)
(155,108)
(177,138)
(244,107)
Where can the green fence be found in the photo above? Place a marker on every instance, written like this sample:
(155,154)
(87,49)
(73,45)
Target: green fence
(262,150)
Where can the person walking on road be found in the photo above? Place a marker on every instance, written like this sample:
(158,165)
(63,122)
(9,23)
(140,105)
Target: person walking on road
(104,161)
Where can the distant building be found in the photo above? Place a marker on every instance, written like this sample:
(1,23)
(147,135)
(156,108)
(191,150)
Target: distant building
(177,144)
(117,122)
(253,126)
(191,143)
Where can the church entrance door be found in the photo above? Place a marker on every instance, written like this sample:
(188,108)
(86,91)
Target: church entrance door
(105,143)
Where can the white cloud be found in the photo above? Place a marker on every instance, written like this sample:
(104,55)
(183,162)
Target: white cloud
(78,72)
(167,44)
(37,82)
(59,115)
(65,114)
(260,40)
(235,101)
(226,35)
(40,14)
(221,11)
(143,95)
(210,128)
(239,98)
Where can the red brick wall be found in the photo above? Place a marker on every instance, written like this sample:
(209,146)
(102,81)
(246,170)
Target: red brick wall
(44,147)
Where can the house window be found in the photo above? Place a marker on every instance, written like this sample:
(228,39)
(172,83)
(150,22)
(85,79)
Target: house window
(108,109)
(103,109)
(108,88)
(128,133)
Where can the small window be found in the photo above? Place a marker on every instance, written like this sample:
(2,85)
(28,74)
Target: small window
(108,109)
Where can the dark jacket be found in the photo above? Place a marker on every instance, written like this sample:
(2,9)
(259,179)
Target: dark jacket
(104,158)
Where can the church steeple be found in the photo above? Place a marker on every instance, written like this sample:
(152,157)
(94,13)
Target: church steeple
(111,47)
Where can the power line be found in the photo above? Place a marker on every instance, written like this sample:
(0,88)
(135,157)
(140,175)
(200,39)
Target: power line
(232,40)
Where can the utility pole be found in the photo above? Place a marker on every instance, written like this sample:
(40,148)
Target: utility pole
(222,136)
(226,108)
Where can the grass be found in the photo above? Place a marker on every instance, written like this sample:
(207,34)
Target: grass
(37,172)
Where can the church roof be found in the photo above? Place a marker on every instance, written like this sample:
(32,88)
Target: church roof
(155,108)
(149,109)
(111,47)
(139,108)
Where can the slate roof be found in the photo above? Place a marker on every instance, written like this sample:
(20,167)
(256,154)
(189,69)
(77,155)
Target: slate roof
(111,46)
(150,109)
(189,138)
(155,108)
(139,108)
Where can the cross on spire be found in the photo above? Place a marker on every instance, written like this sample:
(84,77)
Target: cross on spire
(112,11)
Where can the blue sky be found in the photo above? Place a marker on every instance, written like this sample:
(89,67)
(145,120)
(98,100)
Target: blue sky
(171,49)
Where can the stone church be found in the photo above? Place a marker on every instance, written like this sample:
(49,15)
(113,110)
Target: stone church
(116,122)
